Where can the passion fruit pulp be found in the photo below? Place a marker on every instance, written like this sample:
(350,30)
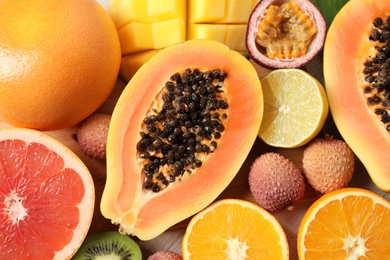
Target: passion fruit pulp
(285,33)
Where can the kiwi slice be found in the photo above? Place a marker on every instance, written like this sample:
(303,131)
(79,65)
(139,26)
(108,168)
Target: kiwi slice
(108,245)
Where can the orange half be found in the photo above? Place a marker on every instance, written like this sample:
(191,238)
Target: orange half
(234,229)
(350,223)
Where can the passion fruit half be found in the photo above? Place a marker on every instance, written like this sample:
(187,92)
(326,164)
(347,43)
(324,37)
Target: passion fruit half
(285,33)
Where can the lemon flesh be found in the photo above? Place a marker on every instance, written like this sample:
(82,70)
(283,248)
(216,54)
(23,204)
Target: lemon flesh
(295,108)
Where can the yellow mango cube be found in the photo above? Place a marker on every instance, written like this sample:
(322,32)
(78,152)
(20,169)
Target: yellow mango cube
(163,10)
(215,32)
(132,62)
(132,10)
(205,11)
(237,11)
(220,11)
(147,11)
(232,35)
(168,33)
(135,37)
(235,37)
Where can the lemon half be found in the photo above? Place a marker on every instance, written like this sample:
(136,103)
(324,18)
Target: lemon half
(295,108)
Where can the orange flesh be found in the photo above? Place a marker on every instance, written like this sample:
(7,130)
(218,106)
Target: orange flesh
(221,232)
(48,191)
(346,49)
(145,213)
(331,224)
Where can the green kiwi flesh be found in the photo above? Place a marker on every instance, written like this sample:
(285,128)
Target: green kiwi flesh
(108,245)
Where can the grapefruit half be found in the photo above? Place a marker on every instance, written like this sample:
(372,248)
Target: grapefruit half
(47,197)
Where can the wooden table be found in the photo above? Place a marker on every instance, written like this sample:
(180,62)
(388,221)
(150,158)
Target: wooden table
(171,239)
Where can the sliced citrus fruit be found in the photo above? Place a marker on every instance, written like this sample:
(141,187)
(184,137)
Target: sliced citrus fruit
(234,229)
(350,223)
(295,108)
(46,195)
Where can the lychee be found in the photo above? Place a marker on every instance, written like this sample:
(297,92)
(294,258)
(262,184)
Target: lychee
(275,181)
(328,164)
(165,255)
(92,135)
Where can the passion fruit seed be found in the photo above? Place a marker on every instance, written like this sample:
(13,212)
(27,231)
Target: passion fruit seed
(285,31)
(182,127)
(376,71)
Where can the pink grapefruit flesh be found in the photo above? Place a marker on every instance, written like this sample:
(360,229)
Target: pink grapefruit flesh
(46,197)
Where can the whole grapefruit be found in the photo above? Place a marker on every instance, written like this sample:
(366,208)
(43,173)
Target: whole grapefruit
(59,61)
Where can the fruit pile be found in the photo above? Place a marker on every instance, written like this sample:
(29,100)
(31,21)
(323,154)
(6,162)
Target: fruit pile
(205,153)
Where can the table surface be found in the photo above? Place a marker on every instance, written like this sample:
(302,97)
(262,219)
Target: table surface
(171,239)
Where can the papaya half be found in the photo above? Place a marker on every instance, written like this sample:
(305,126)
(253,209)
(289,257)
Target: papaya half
(179,134)
(357,81)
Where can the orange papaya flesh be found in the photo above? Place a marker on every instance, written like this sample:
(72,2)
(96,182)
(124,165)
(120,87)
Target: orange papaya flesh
(358,96)
(146,213)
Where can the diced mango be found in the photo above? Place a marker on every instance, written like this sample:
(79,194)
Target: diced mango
(168,33)
(237,12)
(147,11)
(149,24)
(220,11)
(215,32)
(131,10)
(235,37)
(163,10)
(132,62)
(146,25)
(135,37)
(205,11)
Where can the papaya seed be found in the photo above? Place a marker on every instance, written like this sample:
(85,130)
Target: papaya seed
(376,71)
(182,127)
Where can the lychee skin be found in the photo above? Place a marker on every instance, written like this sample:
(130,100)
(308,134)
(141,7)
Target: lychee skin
(328,164)
(165,255)
(92,135)
(275,181)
